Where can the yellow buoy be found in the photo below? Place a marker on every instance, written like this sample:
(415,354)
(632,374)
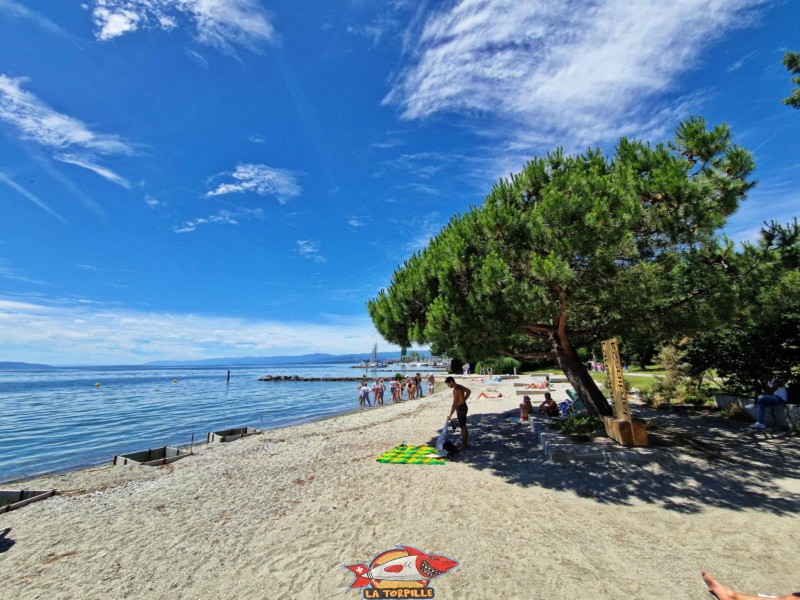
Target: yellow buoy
(96,385)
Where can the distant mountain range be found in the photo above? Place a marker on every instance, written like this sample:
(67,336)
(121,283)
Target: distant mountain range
(22,365)
(276,360)
(245,361)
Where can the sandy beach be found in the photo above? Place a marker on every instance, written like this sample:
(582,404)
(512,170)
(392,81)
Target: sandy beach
(279,515)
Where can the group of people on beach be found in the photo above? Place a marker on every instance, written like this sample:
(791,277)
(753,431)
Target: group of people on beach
(411,387)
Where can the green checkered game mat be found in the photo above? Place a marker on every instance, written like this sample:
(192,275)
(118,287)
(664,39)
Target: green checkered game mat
(410,455)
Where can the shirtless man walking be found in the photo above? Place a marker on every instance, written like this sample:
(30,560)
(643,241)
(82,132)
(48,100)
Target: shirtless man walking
(460,396)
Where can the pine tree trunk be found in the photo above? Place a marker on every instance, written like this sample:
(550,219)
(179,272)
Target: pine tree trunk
(578,375)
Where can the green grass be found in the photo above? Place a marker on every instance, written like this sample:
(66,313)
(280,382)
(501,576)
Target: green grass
(649,369)
(643,384)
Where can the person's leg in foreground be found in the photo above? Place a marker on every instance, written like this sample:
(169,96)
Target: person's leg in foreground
(722,592)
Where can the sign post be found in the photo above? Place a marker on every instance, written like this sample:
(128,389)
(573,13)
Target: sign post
(622,428)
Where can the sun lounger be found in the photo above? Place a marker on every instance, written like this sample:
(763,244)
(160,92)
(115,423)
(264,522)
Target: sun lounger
(574,406)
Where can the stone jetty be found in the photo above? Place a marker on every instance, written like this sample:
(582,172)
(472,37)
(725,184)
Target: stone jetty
(298,378)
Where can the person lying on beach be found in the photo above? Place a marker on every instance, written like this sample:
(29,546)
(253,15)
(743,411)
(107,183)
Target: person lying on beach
(716,589)
(548,408)
(536,384)
(490,395)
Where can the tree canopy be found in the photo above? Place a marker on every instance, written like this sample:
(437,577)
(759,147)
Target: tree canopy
(761,339)
(791,60)
(573,249)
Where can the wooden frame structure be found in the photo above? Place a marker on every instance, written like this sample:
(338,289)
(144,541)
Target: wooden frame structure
(622,428)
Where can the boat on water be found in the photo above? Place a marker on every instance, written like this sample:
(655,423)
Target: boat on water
(373,362)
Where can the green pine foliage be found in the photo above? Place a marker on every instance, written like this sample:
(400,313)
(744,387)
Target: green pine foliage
(761,339)
(791,60)
(574,249)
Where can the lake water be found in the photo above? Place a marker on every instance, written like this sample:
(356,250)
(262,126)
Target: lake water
(57,419)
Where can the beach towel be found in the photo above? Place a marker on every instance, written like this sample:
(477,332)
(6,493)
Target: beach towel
(411,455)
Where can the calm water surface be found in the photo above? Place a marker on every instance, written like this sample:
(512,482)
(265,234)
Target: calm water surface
(56,419)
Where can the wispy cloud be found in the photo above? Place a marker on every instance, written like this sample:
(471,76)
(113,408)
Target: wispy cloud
(87,163)
(219,23)
(197,57)
(151,202)
(561,75)
(37,122)
(388,143)
(74,332)
(420,187)
(355,222)
(310,250)
(425,227)
(741,62)
(261,180)
(30,196)
(14,9)
(223,217)
(7,271)
(256,139)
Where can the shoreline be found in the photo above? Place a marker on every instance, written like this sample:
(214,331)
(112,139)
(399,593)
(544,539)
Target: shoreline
(279,514)
(25,458)
(184,445)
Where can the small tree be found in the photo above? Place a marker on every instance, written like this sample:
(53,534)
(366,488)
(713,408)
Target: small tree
(572,250)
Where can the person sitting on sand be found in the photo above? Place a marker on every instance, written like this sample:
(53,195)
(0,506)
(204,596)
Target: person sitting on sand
(526,408)
(721,592)
(548,408)
(490,395)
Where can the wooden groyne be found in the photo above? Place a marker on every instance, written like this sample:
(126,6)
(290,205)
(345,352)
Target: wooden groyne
(298,378)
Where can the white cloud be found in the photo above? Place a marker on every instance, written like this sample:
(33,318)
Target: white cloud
(388,143)
(426,226)
(17,10)
(356,222)
(7,271)
(37,122)
(223,217)
(218,23)
(87,163)
(262,180)
(310,250)
(151,202)
(560,74)
(74,332)
(30,196)
(40,123)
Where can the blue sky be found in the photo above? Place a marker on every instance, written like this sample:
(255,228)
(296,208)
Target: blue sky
(199,178)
